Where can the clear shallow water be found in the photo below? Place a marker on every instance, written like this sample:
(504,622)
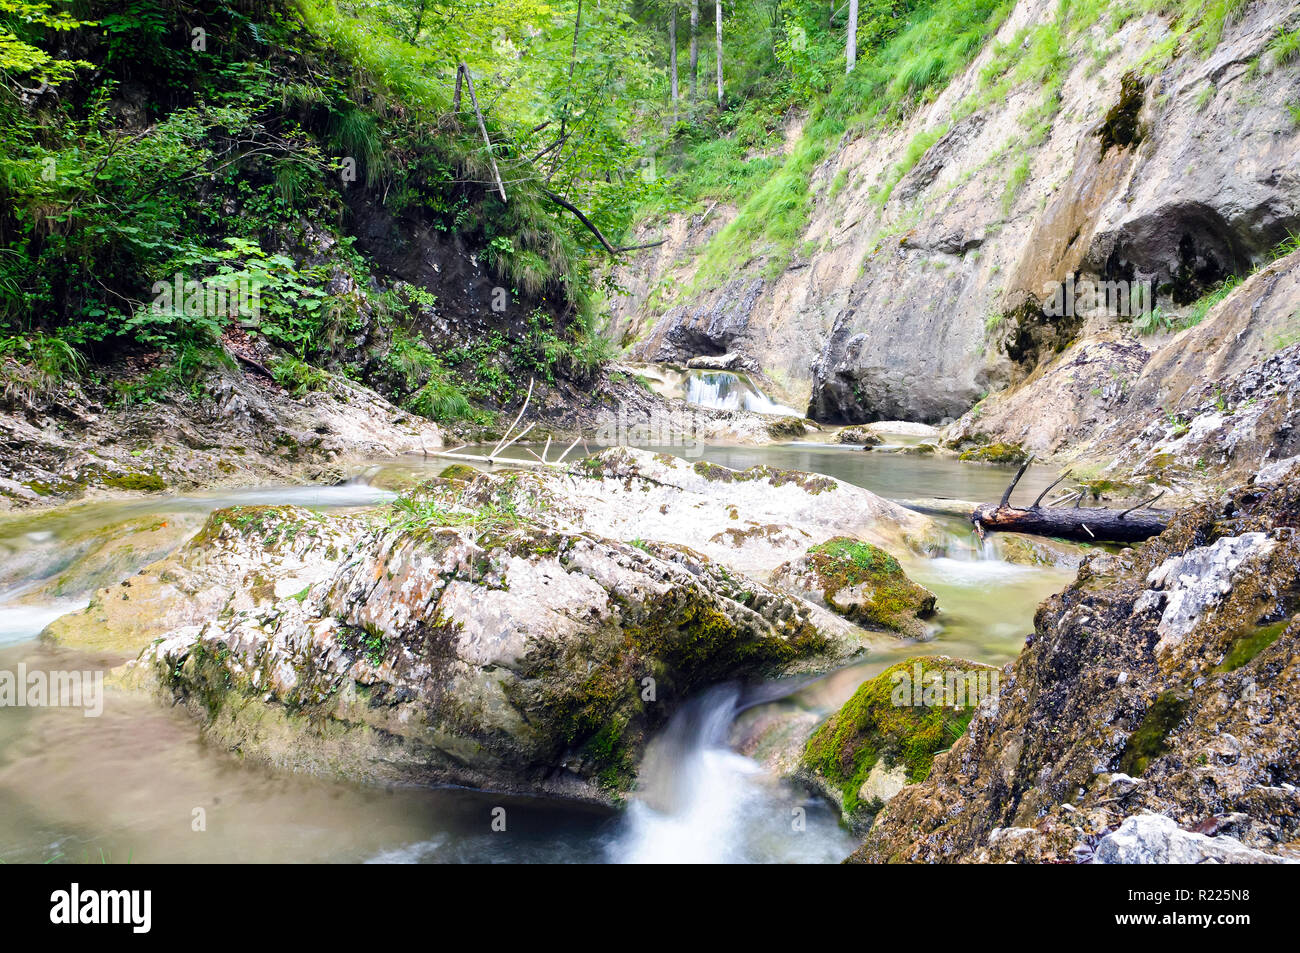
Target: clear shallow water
(126,785)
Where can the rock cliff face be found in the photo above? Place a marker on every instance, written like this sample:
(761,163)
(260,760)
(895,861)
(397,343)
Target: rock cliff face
(923,280)
(1164,681)
(1219,399)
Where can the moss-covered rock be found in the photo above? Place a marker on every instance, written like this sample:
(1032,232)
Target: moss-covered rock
(786,428)
(919,449)
(995,453)
(861,582)
(458,471)
(888,733)
(144,482)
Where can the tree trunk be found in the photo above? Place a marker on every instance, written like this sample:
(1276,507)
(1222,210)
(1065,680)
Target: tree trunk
(717,8)
(695,49)
(1091,525)
(1084,524)
(672,57)
(851,40)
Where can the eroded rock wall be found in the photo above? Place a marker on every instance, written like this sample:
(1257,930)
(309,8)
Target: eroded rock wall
(916,290)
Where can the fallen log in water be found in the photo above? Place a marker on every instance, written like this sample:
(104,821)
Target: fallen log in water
(1084,524)
(1089,525)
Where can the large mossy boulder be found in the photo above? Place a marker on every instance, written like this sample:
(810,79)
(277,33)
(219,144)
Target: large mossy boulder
(887,735)
(475,647)
(861,582)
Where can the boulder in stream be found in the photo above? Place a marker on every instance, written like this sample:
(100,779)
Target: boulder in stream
(479,649)
(861,582)
(885,737)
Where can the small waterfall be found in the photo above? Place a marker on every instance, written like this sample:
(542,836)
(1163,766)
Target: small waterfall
(697,801)
(723,390)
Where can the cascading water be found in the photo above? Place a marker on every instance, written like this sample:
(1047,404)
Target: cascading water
(723,390)
(700,802)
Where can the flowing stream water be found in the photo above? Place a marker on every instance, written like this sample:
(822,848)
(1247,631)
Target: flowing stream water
(134,783)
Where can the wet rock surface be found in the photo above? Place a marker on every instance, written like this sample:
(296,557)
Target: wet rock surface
(861,582)
(1164,680)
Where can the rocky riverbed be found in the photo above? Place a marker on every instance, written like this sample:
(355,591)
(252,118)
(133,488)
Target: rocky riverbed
(523,631)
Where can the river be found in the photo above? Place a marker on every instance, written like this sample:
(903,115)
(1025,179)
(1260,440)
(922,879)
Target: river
(137,784)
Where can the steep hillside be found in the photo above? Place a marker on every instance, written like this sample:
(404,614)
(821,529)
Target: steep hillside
(910,269)
(223,226)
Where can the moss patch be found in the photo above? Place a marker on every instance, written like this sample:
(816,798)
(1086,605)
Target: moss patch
(458,471)
(867,585)
(147,482)
(1121,128)
(1247,646)
(1151,739)
(995,453)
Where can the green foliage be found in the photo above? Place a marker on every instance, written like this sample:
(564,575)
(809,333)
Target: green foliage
(1207,301)
(432,390)
(1155,321)
(1019,176)
(36,363)
(22,23)
(1285,46)
(178,370)
(903,58)
(411,513)
(298,377)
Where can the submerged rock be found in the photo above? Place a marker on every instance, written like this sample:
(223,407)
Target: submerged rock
(861,582)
